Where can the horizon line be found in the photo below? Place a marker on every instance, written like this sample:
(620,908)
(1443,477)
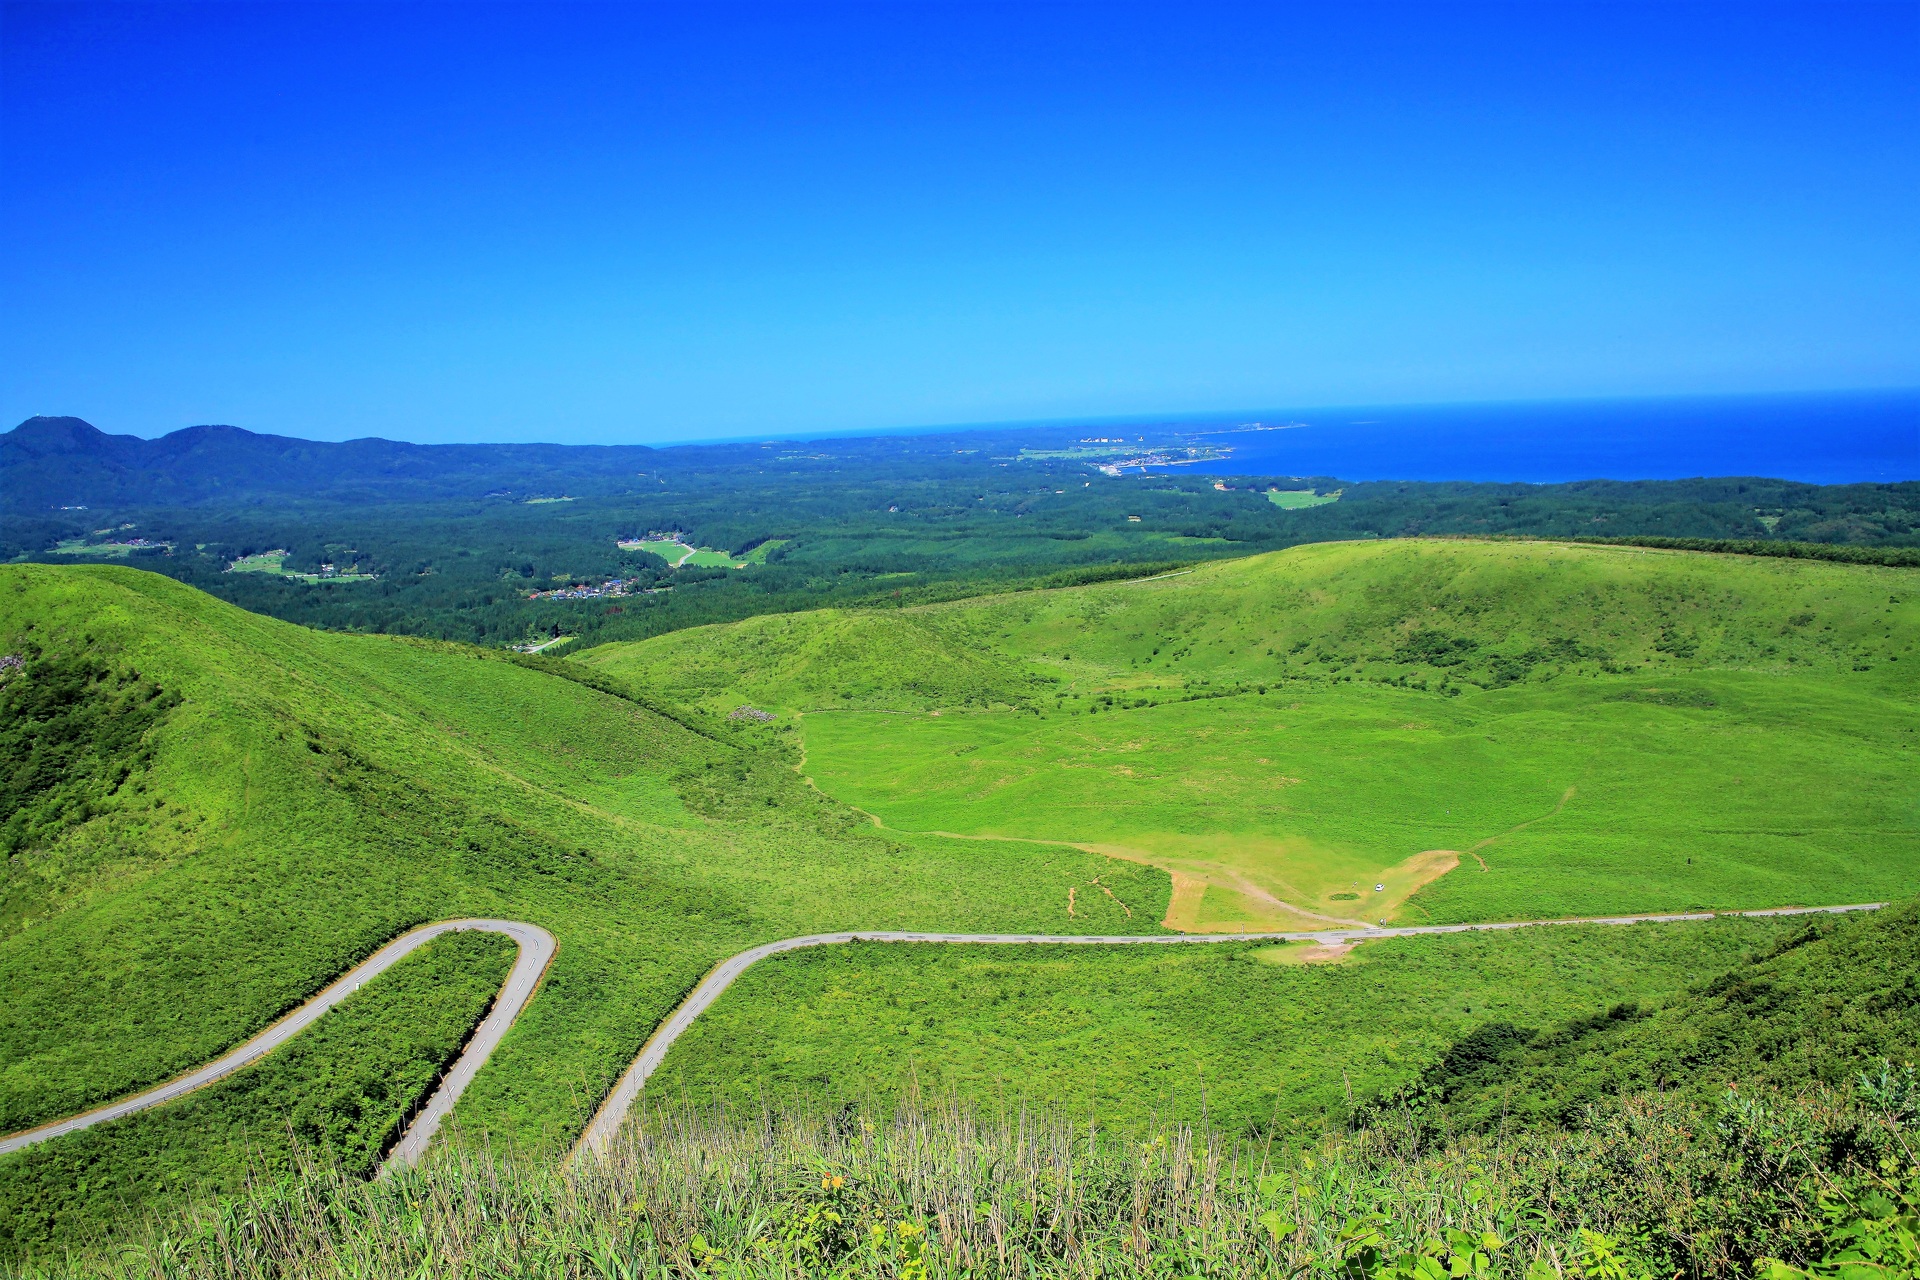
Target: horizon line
(1155,419)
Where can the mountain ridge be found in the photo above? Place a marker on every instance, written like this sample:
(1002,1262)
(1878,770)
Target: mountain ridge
(52,461)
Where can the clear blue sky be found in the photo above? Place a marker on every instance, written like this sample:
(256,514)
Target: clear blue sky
(609,222)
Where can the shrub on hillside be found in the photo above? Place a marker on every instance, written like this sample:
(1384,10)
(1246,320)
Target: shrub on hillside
(1661,1186)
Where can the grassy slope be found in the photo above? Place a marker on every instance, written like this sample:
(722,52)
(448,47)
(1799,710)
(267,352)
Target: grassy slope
(339,1092)
(316,793)
(1607,729)
(840,658)
(1830,998)
(1133,1033)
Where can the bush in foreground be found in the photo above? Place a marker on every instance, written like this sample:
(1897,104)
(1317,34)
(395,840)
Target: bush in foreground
(1651,1186)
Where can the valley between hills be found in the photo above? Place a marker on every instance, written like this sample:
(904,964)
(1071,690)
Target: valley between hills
(215,814)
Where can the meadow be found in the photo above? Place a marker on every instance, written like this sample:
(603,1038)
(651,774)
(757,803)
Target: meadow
(1210,1035)
(340,1093)
(312,794)
(1223,746)
(1300,499)
(1411,732)
(1807,1169)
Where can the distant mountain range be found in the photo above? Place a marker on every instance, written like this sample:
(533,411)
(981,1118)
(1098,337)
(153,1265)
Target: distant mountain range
(48,462)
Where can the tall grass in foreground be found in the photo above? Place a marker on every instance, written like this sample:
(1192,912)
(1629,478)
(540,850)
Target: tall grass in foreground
(1653,1186)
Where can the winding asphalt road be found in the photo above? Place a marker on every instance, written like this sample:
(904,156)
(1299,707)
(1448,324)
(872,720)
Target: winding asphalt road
(537,949)
(613,1112)
(536,952)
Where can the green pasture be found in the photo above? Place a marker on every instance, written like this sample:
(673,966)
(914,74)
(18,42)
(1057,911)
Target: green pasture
(112,550)
(275,564)
(1126,1035)
(1590,729)
(673,552)
(1300,499)
(677,553)
(260,562)
(1722,790)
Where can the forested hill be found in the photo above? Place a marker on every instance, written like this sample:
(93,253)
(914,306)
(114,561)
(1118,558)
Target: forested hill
(506,543)
(64,462)
(49,464)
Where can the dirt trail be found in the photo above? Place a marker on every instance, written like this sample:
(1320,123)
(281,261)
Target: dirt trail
(1555,812)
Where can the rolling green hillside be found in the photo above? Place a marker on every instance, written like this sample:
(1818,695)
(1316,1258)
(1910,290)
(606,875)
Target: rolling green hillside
(293,798)
(209,814)
(1829,999)
(1232,1033)
(1483,730)
(340,1093)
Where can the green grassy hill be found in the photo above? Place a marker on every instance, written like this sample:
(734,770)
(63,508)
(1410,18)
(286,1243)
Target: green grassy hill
(1829,999)
(208,814)
(1571,729)
(215,813)
(824,658)
(341,1092)
(1234,1033)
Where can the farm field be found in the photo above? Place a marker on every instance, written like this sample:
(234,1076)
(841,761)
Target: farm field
(1410,732)
(1300,499)
(275,563)
(112,550)
(677,553)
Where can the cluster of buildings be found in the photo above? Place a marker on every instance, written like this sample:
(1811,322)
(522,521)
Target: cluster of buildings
(611,587)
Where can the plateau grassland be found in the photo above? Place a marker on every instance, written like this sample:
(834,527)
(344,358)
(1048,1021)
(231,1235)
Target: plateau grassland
(210,814)
(1482,730)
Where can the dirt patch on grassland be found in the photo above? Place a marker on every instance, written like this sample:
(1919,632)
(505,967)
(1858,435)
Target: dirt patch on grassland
(1422,869)
(1266,912)
(1304,953)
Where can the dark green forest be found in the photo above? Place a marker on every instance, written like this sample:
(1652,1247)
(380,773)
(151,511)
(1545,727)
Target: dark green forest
(456,538)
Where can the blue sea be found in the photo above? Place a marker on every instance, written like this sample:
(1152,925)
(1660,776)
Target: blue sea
(1822,439)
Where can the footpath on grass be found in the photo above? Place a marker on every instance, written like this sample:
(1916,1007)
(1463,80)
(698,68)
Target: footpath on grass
(537,949)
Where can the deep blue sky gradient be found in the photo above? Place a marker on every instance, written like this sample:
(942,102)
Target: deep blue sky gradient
(616,222)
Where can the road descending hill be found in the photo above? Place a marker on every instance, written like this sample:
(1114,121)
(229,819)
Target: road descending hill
(210,814)
(1410,731)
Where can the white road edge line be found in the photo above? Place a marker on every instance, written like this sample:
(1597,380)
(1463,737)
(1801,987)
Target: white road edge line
(537,949)
(606,1122)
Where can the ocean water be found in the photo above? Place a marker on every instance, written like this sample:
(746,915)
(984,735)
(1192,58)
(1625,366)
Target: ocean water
(1822,439)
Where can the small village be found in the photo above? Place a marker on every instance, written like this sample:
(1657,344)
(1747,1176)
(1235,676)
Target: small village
(612,587)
